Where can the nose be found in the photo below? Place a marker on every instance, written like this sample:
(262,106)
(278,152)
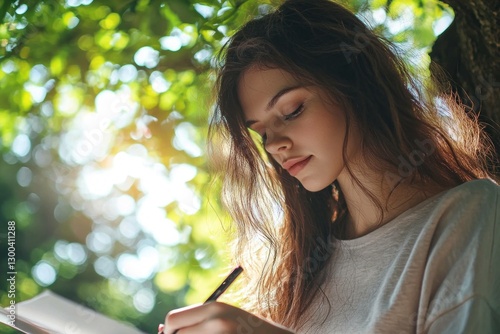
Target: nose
(277,143)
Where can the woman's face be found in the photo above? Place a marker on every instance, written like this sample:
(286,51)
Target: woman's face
(300,128)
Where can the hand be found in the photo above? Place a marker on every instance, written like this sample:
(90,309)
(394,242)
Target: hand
(218,318)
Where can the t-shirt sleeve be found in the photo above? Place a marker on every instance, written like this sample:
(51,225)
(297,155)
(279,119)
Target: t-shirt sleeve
(462,280)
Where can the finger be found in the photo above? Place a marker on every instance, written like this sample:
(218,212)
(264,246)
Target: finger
(174,314)
(193,315)
(212,326)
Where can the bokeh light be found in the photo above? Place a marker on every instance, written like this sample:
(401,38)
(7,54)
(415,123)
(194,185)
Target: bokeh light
(44,273)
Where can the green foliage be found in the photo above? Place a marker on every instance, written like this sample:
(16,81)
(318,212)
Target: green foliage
(103,117)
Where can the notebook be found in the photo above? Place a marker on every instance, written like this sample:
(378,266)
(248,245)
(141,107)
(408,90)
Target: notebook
(49,313)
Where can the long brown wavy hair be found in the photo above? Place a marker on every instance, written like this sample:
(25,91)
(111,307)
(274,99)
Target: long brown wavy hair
(284,232)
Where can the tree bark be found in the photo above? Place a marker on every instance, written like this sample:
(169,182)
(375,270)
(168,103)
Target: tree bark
(469,51)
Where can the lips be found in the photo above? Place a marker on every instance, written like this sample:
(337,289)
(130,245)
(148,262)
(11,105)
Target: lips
(295,165)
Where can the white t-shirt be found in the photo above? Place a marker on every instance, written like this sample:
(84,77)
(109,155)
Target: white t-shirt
(433,269)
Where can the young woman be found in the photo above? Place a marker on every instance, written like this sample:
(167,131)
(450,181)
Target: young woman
(367,207)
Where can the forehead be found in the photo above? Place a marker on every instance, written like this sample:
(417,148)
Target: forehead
(257,86)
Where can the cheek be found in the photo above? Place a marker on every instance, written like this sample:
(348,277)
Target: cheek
(330,138)
(330,131)
(329,121)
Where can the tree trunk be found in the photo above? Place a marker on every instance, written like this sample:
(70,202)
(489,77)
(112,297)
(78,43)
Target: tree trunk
(469,51)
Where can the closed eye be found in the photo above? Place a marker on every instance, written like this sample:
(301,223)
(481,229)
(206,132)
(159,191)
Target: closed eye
(295,113)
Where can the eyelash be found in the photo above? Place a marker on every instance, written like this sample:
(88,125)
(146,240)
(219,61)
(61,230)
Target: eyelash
(295,113)
(287,117)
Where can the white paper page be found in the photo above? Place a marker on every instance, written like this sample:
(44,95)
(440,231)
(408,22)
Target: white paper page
(21,327)
(59,315)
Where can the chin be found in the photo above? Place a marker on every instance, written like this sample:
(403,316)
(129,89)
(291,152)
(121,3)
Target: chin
(315,186)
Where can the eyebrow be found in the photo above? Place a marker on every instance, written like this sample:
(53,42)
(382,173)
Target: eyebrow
(274,100)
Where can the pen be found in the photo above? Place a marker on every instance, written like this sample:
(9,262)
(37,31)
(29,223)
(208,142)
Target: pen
(216,294)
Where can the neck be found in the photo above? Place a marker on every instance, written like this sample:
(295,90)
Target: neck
(364,216)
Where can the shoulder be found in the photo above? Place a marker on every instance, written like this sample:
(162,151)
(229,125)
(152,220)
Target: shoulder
(478,187)
(464,241)
(476,190)
(470,203)
(463,250)
(464,214)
